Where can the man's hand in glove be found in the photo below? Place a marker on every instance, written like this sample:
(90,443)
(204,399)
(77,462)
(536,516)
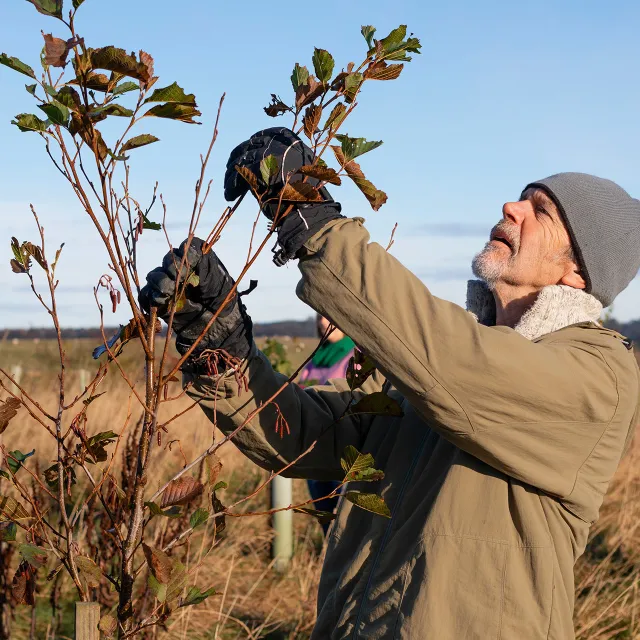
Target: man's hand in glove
(305,219)
(232,329)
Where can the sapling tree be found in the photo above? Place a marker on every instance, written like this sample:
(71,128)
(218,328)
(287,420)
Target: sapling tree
(131,555)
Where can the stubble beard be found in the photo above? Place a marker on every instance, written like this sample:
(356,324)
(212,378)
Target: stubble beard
(491,264)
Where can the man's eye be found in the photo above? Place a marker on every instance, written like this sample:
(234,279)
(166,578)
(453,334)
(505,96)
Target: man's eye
(541,211)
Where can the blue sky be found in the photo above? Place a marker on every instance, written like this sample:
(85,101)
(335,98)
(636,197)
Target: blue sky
(504,93)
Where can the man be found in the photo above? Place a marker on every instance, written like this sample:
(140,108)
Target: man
(515,415)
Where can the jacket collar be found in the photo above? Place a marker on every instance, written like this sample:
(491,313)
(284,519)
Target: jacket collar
(556,306)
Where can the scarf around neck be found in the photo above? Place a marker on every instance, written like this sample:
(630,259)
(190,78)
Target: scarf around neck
(330,353)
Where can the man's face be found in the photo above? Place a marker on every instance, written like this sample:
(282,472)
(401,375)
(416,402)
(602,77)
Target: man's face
(530,247)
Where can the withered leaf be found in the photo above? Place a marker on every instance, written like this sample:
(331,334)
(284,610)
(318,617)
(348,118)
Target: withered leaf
(368,502)
(308,92)
(359,369)
(12,510)
(336,116)
(8,410)
(299,191)
(23,585)
(160,564)
(181,491)
(56,50)
(89,571)
(383,71)
(214,467)
(108,625)
(376,197)
(118,60)
(311,120)
(249,176)
(324,174)
(276,107)
(219,519)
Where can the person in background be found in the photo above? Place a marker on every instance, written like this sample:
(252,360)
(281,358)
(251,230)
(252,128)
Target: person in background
(329,361)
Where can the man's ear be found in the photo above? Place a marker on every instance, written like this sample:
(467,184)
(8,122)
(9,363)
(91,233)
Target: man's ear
(573,277)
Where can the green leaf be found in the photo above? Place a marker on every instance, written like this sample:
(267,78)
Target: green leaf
(69,97)
(138,141)
(17,65)
(158,589)
(48,7)
(367,31)
(16,458)
(268,168)
(56,112)
(299,76)
(111,110)
(336,116)
(195,596)
(354,147)
(368,502)
(77,3)
(376,197)
(4,474)
(172,93)
(198,517)
(118,60)
(51,476)
(220,485)
(353,460)
(149,224)
(323,517)
(89,571)
(395,38)
(175,111)
(31,88)
(11,510)
(172,512)
(352,84)
(323,64)
(124,87)
(29,122)
(378,403)
(35,556)
(8,531)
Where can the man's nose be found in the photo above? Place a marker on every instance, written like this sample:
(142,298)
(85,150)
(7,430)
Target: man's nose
(514,211)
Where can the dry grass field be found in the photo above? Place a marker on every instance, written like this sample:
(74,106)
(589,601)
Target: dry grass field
(255,601)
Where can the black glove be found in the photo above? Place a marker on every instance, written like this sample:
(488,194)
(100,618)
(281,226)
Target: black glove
(232,330)
(305,220)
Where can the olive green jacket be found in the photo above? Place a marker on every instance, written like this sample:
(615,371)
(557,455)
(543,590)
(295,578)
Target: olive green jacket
(493,475)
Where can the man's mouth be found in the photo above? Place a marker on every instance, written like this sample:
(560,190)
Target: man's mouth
(500,237)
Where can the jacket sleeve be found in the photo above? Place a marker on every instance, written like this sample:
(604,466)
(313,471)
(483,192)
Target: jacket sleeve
(533,411)
(298,419)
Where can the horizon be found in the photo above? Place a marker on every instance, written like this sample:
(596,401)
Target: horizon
(496,100)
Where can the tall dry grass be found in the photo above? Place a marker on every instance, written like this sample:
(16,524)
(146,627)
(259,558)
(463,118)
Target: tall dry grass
(255,601)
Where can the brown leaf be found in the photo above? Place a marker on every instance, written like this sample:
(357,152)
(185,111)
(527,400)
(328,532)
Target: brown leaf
(159,563)
(147,61)
(249,176)
(214,465)
(55,50)
(36,253)
(308,92)
(181,491)
(299,191)
(11,509)
(8,410)
(89,571)
(108,625)
(277,107)
(311,120)
(219,520)
(376,197)
(325,174)
(16,267)
(383,71)
(118,60)
(23,586)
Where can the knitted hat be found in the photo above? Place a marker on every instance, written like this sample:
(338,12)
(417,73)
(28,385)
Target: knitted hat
(603,221)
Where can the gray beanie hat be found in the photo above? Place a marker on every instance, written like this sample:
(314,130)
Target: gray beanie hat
(604,224)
